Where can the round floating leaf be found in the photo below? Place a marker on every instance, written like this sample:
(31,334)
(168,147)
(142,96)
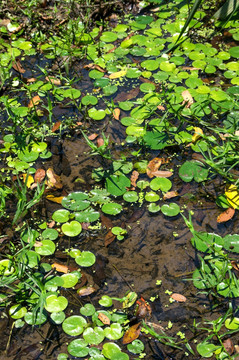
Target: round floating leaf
(53,282)
(58,317)
(39,147)
(112,208)
(167,66)
(74,325)
(96,114)
(106,301)
(94,336)
(110,90)
(35,319)
(95,74)
(50,234)
(85,259)
(108,36)
(17,311)
(28,155)
(150,65)
(76,201)
(228,288)
(136,347)
(78,348)
(114,332)
(87,310)
(231,243)
(89,100)
(61,215)
(72,228)
(131,196)
(171,209)
(88,215)
(47,248)
(151,196)
(56,304)
(234,51)
(110,349)
(203,241)
(232,324)
(133,73)
(101,82)
(116,185)
(193,170)
(70,280)
(206,349)
(160,184)
(147,87)
(5,268)
(218,95)
(153,208)
(31,258)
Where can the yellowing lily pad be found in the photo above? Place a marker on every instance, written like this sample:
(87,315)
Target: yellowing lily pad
(232,195)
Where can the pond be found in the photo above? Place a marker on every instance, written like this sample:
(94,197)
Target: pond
(119,182)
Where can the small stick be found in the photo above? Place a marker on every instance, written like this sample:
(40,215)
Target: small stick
(122,277)
(9,338)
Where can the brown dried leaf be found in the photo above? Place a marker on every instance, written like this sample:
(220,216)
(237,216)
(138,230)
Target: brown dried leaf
(39,175)
(170,195)
(31,80)
(92,136)
(134,177)
(164,174)
(235,265)
(53,80)
(161,107)
(60,268)
(100,142)
(55,199)
(144,309)
(127,96)
(154,164)
(94,66)
(189,68)
(18,67)
(228,345)
(86,291)
(105,320)
(109,238)
(131,334)
(187,98)
(178,297)
(34,101)
(116,113)
(226,215)
(54,181)
(106,222)
(51,224)
(56,126)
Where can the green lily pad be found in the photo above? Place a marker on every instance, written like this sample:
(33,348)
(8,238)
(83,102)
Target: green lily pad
(69,280)
(108,36)
(47,248)
(137,131)
(110,349)
(96,114)
(50,234)
(232,324)
(202,241)
(35,319)
(113,332)
(72,228)
(206,349)
(85,259)
(89,100)
(110,90)
(88,215)
(228,288)
(17,311)
(112,208)
(131,196)
(76,201)
(55,304)
(167,66)
(162,184)
(94,336)
(74,325)
(153,208)
(5,268)
(147,87)
(136,347)
(106,301)
(234,51)
(150,65)
(28,155)
(193,170)
(87,310)
(151,196)
(61,215)
(231,243)
(53,282)
(58,317)
(171,209)
(116,184)
(78,348)
(96,74)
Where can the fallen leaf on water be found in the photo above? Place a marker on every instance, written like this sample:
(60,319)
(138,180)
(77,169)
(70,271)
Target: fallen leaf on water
(100,141)
(39,175)
(28,180)
(144,309)
(235,265)
(127,96)
(189,68)
(92,136)
(105,320)
(55,199)
(187,98)
(116,113)
(154,165)
(31,80)
(178,297)
(34,101)
(141,78)
(197,134)
(118,74)
(155,326)
(131,334)
(134,177)
(53,80)
(94,66)
(163,173)
(86,291)
(161,107)
(109,238)
(228,345)
(60,268)
(18,67)
(106,222)
(226,215)
(56,126)
(54,181)
(112,50)
(51,224)
(170,195)
(232,195)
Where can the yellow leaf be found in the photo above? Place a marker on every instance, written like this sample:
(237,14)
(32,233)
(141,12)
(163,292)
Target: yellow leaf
(232,195)
(56,199)
(30,180)
(197,135)
(117,74)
